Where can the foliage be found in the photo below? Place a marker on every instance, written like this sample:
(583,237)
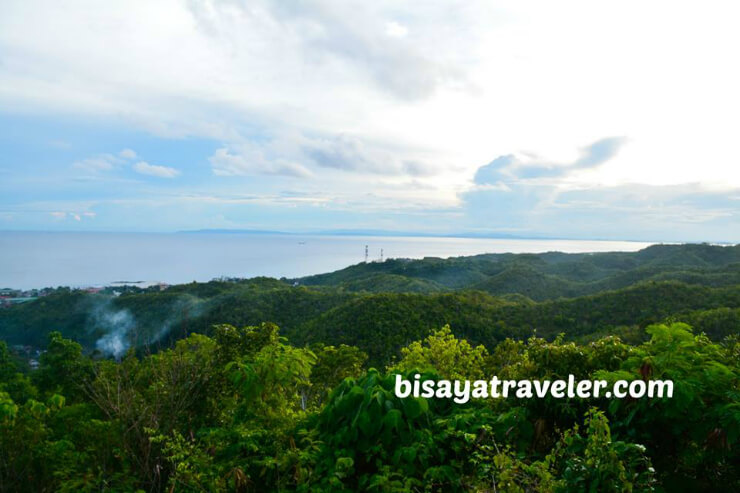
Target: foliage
(453,358)
(591,461)
(63,368)
(246,411)
(212,397)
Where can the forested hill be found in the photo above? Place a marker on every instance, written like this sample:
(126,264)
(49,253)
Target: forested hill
(543,276)
(381,307)
(191,388)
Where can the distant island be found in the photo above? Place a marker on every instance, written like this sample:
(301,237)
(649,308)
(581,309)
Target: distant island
(386,233)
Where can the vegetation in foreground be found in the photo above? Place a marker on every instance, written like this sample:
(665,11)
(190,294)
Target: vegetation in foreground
(244,410)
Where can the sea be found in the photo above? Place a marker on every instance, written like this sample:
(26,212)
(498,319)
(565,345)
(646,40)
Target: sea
(31,260)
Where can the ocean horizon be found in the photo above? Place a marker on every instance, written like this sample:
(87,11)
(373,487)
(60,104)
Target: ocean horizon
(31,260)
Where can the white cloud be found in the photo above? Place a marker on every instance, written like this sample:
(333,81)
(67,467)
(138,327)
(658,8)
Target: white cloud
(379,96)
(153,170)
(218,70)
(251,161)
(128,154)
(395,30)
(77,216)
(527,166)
(103,162)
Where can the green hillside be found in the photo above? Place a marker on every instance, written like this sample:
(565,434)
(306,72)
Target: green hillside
(380,307)
(195,388)
(555,275)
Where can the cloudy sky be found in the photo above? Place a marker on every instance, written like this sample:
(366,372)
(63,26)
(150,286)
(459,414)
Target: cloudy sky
(565,119)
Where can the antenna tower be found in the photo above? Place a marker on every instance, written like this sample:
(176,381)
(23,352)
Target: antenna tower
(365,253)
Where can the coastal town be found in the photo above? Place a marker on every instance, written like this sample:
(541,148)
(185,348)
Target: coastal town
(10,296)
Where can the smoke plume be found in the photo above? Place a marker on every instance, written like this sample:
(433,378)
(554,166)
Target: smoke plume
(117,324)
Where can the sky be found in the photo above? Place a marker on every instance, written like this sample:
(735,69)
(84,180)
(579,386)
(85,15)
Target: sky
(592,120)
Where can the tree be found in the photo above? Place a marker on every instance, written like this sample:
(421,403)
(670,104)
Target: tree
(333,364)
(441,352)
(63,369)
(7,365)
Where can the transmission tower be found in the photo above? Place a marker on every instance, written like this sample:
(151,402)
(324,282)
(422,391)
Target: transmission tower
(365,253)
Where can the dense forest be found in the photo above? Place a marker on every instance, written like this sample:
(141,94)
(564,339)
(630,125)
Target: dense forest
(287,385)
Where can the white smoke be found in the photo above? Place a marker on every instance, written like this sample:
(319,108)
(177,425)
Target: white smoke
(186,308)
(117,324)
(120,327)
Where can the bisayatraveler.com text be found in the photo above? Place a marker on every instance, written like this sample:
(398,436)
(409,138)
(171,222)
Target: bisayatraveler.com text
(461,391)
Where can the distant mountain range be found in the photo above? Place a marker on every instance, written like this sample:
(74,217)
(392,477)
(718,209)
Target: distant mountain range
(376,232)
